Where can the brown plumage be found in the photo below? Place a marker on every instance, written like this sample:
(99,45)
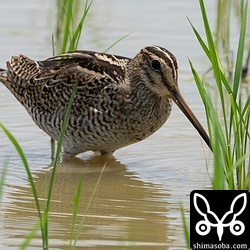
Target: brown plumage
(118,101)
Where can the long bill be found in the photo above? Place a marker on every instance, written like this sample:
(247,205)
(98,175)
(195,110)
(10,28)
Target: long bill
(181,103)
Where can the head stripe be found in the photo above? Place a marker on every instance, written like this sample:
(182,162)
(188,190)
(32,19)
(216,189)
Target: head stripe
(167,56)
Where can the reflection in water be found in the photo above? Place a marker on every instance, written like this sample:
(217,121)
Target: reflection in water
(124,209)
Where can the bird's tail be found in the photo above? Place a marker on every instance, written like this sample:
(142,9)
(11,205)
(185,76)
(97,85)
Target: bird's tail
(7,80)
(3,75)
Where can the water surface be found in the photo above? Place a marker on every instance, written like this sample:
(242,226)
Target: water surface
(137,200)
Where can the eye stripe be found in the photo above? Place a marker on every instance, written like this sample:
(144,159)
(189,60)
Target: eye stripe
(167,56)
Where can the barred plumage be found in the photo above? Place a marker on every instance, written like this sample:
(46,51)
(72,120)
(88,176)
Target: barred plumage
(118,101)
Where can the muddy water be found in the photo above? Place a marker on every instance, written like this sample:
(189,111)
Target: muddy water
(136,203)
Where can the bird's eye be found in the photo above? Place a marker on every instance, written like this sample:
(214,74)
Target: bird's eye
(155,64)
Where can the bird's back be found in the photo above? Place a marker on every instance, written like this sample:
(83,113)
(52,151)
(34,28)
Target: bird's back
(46,83)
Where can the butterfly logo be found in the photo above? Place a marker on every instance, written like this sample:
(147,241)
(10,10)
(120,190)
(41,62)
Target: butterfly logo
(203,227)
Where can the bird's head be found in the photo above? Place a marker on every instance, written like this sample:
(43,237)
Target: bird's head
(159,72)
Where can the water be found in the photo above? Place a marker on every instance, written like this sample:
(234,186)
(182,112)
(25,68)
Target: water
(136,203)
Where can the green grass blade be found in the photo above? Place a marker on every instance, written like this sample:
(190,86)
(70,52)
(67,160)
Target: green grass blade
(116,42)
(207,52)
(211,46)
(29,237)
(240,52)
(216,134)
(200,40)
(87,209)
(185,227)
(67,6)
(2,180)
(238,66)
(215,62)
(231,149)
(76,203)
(30,178)
(57,159)
(78,31)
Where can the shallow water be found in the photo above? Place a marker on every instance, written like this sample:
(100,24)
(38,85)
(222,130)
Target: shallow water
(136,203)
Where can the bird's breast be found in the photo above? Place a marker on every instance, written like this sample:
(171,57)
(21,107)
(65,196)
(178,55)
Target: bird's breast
(144,117)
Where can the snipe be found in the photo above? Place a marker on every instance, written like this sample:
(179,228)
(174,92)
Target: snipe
(118,101)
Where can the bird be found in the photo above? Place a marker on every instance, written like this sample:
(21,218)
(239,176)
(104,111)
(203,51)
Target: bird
(118,100)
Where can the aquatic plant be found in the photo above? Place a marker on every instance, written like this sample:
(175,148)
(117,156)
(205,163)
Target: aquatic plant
(228,118)
(228,124)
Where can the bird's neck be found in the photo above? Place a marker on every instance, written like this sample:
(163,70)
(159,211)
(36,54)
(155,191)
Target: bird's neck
(146,103)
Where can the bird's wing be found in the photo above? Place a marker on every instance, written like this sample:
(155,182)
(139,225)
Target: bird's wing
(82,66)
(46,84)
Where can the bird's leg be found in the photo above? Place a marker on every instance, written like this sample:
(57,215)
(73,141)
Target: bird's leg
(53,146)
(103,152)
